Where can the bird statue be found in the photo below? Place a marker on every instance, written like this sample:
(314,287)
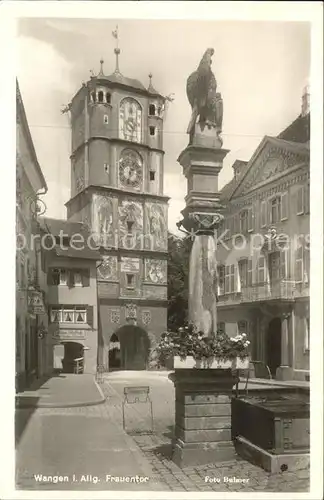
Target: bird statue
(205,102)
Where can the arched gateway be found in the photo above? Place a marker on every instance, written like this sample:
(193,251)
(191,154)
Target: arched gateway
(129,349)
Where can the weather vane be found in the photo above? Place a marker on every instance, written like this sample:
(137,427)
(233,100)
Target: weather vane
(117,49)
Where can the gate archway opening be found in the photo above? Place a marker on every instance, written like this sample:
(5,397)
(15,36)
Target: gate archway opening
(72,351)
(129,349)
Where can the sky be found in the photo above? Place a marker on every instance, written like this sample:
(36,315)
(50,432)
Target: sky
(261,69)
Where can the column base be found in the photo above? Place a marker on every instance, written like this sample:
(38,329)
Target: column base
(203,416)
(284,373)
(189,454)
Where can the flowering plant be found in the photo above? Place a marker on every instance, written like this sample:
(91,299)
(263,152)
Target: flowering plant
(190,342)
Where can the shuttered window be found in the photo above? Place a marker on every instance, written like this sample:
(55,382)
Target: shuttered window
(244,221)
(275,209)
(230,279)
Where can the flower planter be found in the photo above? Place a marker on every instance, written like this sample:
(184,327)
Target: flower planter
(211,363)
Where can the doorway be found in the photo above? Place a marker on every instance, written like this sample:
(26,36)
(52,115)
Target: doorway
(72,351)
(114,353)
(274,345)
(132,353)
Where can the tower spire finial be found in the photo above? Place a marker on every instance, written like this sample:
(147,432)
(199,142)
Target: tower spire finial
(117,49)
(101,73)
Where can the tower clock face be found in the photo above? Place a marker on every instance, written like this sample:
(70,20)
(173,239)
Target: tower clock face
(130,120)
(130,169)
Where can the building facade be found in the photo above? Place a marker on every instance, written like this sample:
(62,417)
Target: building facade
(71,270)
(264,254)
(117,191)
(33,356)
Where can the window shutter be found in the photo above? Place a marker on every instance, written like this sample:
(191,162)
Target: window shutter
(283,265)
(90,315)
(227,279)
(70,278)
(299,264)
(234,278)
(237,279)
(300,200)
(249,273)
(250,219)
(50,280)
(306,199)
(261,270)
(263,213)
(86,277)
(284,206)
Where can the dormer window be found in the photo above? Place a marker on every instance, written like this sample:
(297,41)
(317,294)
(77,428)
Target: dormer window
(100,96)
(152,130)
(152,175)
(108,98)
(152,110)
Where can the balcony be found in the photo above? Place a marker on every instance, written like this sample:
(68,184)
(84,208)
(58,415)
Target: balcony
(261,292)
(278,290)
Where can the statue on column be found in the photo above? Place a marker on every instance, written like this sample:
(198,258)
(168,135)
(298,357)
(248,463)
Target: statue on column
(206,103)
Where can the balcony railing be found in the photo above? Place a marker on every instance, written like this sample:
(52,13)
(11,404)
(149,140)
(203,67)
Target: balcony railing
(277,290)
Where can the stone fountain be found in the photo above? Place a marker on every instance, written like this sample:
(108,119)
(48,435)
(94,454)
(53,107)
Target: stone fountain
(203,396)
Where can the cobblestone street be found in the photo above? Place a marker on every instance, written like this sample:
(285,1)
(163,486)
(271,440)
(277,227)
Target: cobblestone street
(156,448)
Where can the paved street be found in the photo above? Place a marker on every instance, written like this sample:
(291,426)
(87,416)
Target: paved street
(90,441)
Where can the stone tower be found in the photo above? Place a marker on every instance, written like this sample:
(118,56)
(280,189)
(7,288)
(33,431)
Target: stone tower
(117,191)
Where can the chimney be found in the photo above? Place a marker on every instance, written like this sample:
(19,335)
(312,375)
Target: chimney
(305,101)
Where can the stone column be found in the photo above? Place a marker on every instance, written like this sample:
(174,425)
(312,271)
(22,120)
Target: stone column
(203,396)
(285,372)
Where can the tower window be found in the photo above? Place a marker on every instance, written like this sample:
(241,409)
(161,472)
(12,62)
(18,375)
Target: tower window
(108,98)
(152,110)
(130,225)
(152,130)
(106,167)
(152,175)
(130,280)
(106,119)
(100,96)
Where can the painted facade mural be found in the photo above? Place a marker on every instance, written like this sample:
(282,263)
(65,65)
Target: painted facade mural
(102,217)
(130,120)
(156,226)
(146,317)
(108,270)
(155,292)
(130,224)
(156,271)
